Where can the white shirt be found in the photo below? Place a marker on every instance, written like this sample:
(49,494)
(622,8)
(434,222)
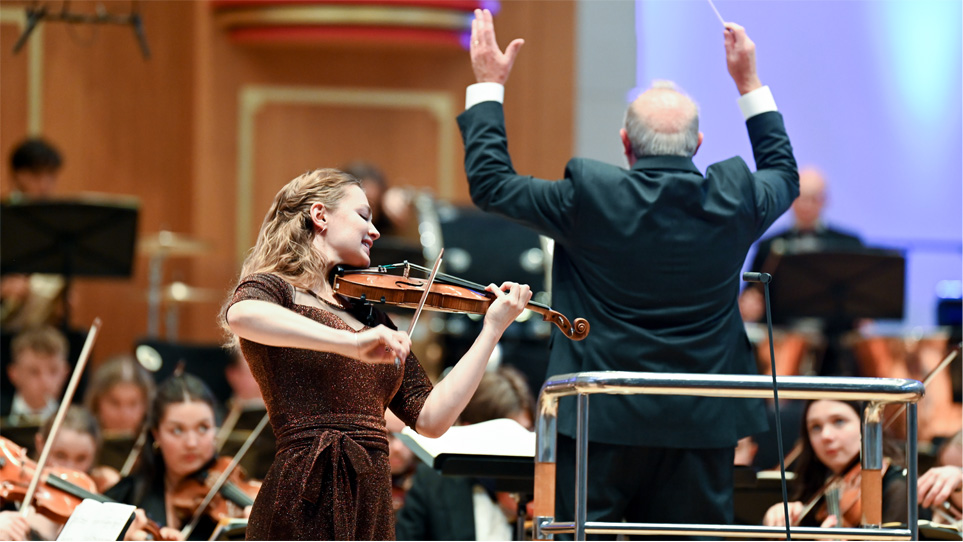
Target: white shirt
(20,411)
(751,103)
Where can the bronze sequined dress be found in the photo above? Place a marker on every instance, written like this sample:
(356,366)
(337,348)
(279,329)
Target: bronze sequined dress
(330,479)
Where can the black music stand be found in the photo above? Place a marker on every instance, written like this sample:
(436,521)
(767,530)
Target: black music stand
(86,238)
(838,286)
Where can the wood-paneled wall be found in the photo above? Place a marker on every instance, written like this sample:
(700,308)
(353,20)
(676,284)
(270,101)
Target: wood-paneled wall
(167,130)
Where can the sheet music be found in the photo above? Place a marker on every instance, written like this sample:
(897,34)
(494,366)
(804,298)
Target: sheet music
(94,520)
(501,437)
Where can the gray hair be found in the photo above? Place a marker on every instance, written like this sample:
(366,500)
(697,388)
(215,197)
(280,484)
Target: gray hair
(668,139)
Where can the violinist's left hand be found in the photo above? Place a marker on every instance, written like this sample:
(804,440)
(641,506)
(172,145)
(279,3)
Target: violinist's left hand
(938,483)
(507,306)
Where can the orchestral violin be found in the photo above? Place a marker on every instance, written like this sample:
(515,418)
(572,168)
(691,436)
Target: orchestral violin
(59,492)
(220,491)
(230,500)
(843,498)
(447,294)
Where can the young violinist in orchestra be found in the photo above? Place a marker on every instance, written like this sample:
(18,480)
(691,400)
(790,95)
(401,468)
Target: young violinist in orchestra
(74,449)
(180,444)
(830,448)
(76,446)
(328,367)
(941,487)
(38,371)
(13,526)
(119,394)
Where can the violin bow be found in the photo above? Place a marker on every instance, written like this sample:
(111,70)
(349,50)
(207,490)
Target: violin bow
(424,296)
(216,486)
(61,413)
(135,451)
(926,380)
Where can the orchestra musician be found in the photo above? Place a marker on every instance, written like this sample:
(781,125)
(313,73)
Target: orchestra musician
(36,299)
(38,370)
(941,487)
(651,255)
(808,233)
(75,448)
(328,367)
(119,395)
(180,444)
(830,448)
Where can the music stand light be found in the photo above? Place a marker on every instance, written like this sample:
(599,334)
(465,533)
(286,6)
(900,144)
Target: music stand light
(839,285)
(75,238)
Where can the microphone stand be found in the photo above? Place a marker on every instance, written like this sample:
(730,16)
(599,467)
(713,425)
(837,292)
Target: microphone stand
(765,279)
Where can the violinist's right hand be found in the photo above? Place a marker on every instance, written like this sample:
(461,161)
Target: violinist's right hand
(138,529)
(382,345)
(13,526)
(776,517)
(936,486)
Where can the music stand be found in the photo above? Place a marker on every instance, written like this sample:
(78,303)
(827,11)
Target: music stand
(838,285)
(93,238)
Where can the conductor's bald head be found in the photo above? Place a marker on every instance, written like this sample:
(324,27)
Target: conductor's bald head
(662,121)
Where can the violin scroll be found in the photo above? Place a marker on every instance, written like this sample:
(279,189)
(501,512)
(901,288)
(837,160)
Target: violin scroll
(577,330)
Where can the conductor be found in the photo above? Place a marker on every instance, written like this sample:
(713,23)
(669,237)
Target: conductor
(651,255)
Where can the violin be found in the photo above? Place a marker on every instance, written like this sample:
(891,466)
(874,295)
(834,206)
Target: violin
(59,492)
(447,294)
(236,494)
(843,497)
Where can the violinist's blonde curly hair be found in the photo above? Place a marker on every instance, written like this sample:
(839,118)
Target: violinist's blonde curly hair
(284,243)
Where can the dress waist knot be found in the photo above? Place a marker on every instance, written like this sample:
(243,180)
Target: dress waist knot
(338,455)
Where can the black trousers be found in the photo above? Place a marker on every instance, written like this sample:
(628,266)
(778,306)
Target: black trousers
(639,484)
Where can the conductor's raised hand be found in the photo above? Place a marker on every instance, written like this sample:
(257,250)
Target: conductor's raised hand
(741,58)
(382,345)
(507,306)
(490,64)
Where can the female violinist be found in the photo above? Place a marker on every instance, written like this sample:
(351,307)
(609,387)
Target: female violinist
(119,395)
(180,447)
(73,450)
(830,451)
(328,371)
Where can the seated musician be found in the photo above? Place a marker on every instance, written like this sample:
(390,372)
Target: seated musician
(180,445)
(36,299)
(38,371)
(403,464)
(941,487)
(75,449)
(809,233)
(463,508)
(831,448)
(13,526)
(119,394)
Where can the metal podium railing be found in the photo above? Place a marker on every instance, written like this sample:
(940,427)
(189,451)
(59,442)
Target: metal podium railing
(876,391)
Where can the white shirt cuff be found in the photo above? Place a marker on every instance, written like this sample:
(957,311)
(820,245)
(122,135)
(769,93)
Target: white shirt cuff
(756,102)
(484,92)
